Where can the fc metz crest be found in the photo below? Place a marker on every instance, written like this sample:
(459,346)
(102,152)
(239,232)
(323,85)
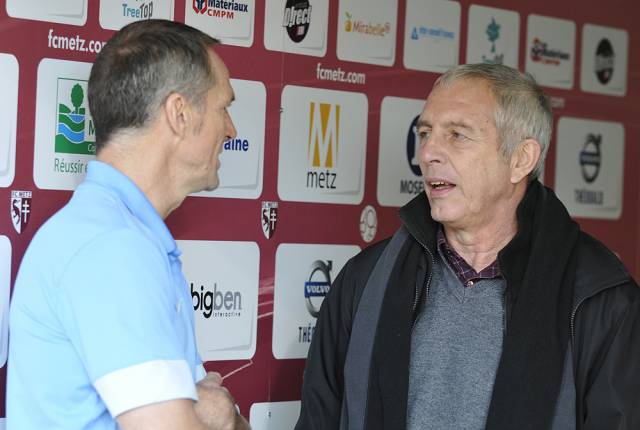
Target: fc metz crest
(200,6)
(20,209)
(269,217)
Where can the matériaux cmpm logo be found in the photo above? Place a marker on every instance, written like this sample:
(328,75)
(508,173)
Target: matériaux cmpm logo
(138,9)
(604,61)
(75,131)
(216,302)
(541,53)
(323,145)
(297,19)
(493,34)
(316,287)
(413,186)
(590,161)
(220,8)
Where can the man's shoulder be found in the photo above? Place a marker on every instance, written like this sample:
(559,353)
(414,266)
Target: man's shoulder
(599,269)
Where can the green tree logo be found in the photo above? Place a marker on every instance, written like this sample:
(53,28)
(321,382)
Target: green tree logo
(493,33)
(77,97)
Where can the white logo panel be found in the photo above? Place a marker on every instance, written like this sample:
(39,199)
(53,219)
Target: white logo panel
(242,158)
(5,281)
(551,50)
(399,176)
(274,415)
(367,31)
(604,60)
(299,28)
(115,14)
(323,137)
(64,130)
(223,281)
(304,274)
(72,12)
(590,167)
(8,117)
(431,35)
(493,36)
(230,21)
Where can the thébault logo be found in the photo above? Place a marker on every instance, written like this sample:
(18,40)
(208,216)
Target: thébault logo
(323,145)
(297,19)
(75,132)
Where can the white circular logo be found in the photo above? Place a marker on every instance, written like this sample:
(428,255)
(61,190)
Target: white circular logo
(368,223)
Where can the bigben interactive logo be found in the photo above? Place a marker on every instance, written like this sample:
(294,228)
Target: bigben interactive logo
(322,145)
(324,141)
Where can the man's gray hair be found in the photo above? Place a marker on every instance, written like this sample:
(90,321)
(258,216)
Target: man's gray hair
(522,109)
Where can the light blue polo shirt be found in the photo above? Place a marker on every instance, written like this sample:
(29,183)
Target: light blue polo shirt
(101,319)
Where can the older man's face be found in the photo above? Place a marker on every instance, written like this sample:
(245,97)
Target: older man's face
(467,180)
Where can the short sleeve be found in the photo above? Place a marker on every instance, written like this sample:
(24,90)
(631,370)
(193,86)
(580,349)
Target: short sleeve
(120,307)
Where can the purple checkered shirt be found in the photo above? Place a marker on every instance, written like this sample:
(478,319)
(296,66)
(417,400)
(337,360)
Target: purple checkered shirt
(465,273)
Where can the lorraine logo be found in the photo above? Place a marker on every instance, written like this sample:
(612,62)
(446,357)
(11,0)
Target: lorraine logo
(493,34)
(297,19)
(20,209)
(605,58)
(317,286)
(541,53)
(366,28)
(324,141)
(269,218)
(591,157)
(75,132)
(219,8)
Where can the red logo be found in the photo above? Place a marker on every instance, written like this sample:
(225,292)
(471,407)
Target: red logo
(200,6)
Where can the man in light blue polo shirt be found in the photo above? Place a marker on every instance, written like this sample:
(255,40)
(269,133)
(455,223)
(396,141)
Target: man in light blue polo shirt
(102,330)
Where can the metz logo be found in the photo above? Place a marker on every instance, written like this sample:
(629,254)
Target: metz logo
(269,218)
(324,141)
(20,209)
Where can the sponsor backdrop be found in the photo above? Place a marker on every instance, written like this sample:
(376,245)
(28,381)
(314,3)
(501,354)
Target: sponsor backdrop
(328,93)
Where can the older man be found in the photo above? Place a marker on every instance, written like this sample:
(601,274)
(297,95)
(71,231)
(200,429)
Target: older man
(102,330)
(489,308)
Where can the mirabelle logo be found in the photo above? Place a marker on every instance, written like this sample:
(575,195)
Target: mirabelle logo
(368,28)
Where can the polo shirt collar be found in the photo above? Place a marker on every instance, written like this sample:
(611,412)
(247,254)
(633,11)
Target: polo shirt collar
(134,199)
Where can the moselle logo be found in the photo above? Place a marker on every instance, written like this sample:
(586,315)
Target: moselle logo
(436,33)
(493,34)
(412,186)
(323,145)
(297,19)
(220,8)
(138,10)
(20,209)
(75,132)
(352,25)
(541,53)
(318,285)
(216,303)
(605,58)
(591,157)
(269,218)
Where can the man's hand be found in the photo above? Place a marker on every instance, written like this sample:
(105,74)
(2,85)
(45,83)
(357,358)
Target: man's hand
(215,407)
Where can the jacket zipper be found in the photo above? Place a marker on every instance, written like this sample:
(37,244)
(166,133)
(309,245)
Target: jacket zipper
(417,300)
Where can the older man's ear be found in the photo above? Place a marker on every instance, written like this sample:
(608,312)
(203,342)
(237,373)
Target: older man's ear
(524,159)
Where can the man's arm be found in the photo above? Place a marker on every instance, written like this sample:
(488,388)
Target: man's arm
(215,410)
